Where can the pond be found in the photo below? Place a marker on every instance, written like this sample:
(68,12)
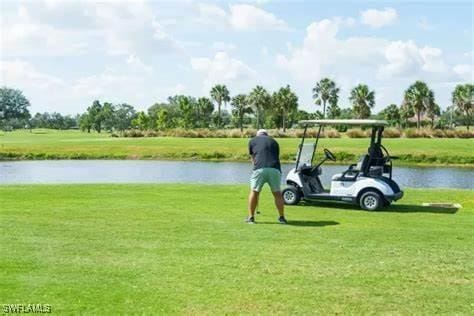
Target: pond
(139,171)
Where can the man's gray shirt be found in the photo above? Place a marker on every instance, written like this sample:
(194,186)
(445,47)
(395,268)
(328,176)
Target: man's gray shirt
(265,151)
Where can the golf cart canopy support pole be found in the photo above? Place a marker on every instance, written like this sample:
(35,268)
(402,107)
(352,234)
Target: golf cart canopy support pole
(301,147)
(316,143)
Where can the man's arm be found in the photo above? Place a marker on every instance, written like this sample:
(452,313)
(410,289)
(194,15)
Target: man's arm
(252,158)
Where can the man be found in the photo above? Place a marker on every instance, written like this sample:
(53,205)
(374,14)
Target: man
(265,154)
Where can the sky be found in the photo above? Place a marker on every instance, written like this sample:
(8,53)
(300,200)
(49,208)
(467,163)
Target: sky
(65,54)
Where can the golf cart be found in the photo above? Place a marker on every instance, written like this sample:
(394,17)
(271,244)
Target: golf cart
(368,183)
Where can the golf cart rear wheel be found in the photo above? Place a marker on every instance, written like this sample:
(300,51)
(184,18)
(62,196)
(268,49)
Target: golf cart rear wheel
(291,196)
(371,201)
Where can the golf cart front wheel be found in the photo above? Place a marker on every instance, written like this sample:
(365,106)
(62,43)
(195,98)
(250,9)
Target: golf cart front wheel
(371,201)
(291,196)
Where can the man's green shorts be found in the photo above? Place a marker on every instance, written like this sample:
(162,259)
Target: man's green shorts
(261,176)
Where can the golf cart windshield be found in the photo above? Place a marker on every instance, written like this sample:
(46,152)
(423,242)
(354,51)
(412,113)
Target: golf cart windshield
(306,155)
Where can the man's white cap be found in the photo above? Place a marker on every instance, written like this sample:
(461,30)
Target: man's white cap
(261,132)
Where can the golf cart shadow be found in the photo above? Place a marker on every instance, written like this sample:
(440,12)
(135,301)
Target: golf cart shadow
(395,208)
(306,223)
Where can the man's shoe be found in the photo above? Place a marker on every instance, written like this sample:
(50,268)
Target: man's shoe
(282,220)
(250,220)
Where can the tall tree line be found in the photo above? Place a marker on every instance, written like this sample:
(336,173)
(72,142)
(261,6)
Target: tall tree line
(258,108)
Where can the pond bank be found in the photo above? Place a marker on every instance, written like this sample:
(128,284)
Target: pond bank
(78,145)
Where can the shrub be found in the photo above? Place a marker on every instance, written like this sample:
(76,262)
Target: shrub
(464,134)
(332,133)
(279,134)
(235,133)
(250,133)
(391,133)
(417,133)
(449,133)
(438,133)
(133,133)
(150,133)
(356,133)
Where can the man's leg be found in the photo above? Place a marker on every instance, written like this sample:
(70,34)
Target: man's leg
(274,180)
(279,203)
(253,201)
(256,184)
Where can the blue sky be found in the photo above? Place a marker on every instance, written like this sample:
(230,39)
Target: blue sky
(65,54)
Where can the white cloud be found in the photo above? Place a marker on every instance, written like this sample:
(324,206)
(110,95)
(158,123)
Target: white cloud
(249,17)
(60,28)
(178,89)
(222,68)
(111,86)
(130,27)
(469,54)
(23,75)
(424,24)
(223,46)
(407,59)
(386,66)
(328,54)
(378,18)
(136,63)
(464,71)
(212,15)
(323,53)
(36,39)
(240,17)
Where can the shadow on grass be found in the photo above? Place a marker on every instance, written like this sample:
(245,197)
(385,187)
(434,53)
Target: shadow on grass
(406,208)
(394,208)
(304,223)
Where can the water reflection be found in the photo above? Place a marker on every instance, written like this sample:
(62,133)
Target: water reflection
(136,171)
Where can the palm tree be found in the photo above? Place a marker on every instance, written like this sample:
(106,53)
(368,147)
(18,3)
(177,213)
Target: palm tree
(334,111)
(285,102)
(204,109)
(432,111)
(362,100)
(463,96)
(240,107)
(220,94)
(259,99)
(392,114)
(406,112)
(419,97)
(325,90)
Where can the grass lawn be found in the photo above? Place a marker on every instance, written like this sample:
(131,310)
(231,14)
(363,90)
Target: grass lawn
(184,249)
(51,144)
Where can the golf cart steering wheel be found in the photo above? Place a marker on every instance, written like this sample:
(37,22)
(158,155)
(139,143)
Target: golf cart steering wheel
(329,155)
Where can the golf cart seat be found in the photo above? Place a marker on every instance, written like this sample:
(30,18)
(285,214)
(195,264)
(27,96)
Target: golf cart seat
(311,171)
(353,171)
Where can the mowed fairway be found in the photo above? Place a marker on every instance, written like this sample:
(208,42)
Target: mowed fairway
(50,144)
(184,249)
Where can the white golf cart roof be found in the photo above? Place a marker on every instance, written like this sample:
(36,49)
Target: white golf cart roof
(344,122)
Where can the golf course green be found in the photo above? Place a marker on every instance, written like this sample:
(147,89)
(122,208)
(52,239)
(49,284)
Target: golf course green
(53,144)
(184,249)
